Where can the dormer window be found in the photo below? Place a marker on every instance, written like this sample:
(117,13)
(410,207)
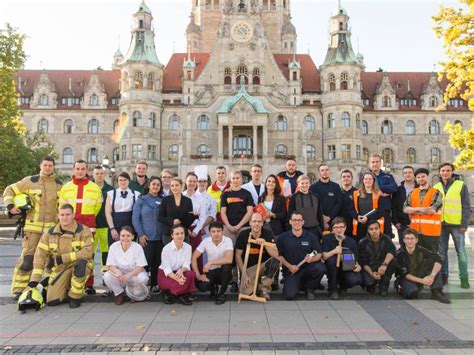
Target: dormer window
(433,101)
(94,101)
(386,101)
(43,100)
(341,26)
(140,24)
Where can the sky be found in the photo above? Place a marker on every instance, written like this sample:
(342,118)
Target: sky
(395,35)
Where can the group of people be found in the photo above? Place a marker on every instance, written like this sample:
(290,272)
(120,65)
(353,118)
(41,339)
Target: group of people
(161,234)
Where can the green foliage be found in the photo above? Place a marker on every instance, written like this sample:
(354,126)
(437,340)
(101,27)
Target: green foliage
(463,140)
(20,152)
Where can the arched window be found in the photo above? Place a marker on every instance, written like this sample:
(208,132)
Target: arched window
(433,101)
(93,126)
(365,127)
(227,76)
(242,145)
(365,155)
(358,120)
(116,126)
(309,123)
(434,127)
(386,101)
(68,157)
(150,81)
(43,125)
(173,123)
(92,155)
(411,156)
(410,127)
(151,120)
(242,71)
(203,122)
(387,127)
(203,149)
(331,120)
(137,119)
(344,81)
(138,80)
(94,100)
(43,100)
(281,124)
(256,76)
(387,156)
(435,156)
(457,122)
(68,126)
(332,82)
(345,120)
(173,152)
(281,149)
(310,152)
(116,155)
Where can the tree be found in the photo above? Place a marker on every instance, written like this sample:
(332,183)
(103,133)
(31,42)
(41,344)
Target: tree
(462,140)
(456,28)
(20,152)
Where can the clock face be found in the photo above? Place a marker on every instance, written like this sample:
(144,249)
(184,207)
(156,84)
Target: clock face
(242,32)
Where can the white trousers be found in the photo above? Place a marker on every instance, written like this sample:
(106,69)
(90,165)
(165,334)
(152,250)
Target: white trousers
(117,287)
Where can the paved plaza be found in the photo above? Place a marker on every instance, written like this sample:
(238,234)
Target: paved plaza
(360,324)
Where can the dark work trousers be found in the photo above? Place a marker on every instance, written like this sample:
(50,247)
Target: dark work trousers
(152,252)
(430,243)
(307,278)
(337,277)
(384,282)
(400,236)
(410,289)
(387,216)
(220,276)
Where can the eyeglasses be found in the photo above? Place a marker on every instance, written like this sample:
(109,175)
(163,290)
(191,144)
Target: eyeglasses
(338,227)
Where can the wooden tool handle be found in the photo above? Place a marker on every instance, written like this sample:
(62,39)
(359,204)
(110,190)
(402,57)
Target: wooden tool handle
(338,259)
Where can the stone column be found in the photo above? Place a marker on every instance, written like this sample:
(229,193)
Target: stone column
(255,144)
(231,133)
(220,142)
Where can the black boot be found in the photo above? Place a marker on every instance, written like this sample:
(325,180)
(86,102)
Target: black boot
(74,303)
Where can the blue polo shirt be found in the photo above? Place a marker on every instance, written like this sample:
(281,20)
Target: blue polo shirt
(294,249)
(330,242)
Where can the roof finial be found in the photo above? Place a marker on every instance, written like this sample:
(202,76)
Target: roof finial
(338,4)
(174,49)
(118,42)
(408,85)
(189,51)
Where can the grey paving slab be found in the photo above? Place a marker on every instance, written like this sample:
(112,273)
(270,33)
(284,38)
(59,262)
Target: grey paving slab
(126,329)
(334,352)
(174,315)
(131,316)
(85,330)
(204,317)
(118,339)
(30,341)
(314,305)
(336,337)
(281,306)
(71,340)
(357,352)
(310,352)
(286,338)
(207,340)
(99,317)
(248,316)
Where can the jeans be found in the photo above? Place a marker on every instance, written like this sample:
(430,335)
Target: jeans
(460,247)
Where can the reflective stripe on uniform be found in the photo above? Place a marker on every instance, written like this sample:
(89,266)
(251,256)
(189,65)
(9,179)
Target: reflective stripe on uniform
(43,246)
(37,271)
(73,256)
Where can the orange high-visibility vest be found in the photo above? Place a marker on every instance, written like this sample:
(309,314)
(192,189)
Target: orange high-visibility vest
(427,224)
(375,204)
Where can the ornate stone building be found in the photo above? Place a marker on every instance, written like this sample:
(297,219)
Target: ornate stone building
(241,94)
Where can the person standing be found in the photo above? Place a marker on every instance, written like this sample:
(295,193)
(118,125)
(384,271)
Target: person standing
(119,207)
(255,186)
(275,206)
(387,186)
(455,220)
(329,194)
(42,191)
(376,256)
(148,228)
(423,205)
(347,199)
(102,229)
(86,199)
(166,176)
(140,179)
(308,204)
(340,280)
(209,203)
(67,247)
(367,206)
(218,187)
(302,269)
(400,219)
(289,177)
(418,267)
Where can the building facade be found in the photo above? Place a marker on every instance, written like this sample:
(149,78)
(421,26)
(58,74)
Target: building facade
(241,94)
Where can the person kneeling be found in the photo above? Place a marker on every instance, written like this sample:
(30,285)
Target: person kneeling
(218,270)
(376,255)
(337,245)
(67,249)
(126,268)
(418,267)
(300,253)
(175,278)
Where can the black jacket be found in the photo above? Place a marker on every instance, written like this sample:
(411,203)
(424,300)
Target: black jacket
(330,197)
(373,257)
(398,200)
(419,265)
(278,224)
(169,212)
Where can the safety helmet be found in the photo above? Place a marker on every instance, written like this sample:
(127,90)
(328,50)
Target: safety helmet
(22,201)
(136,291)
(30,298)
